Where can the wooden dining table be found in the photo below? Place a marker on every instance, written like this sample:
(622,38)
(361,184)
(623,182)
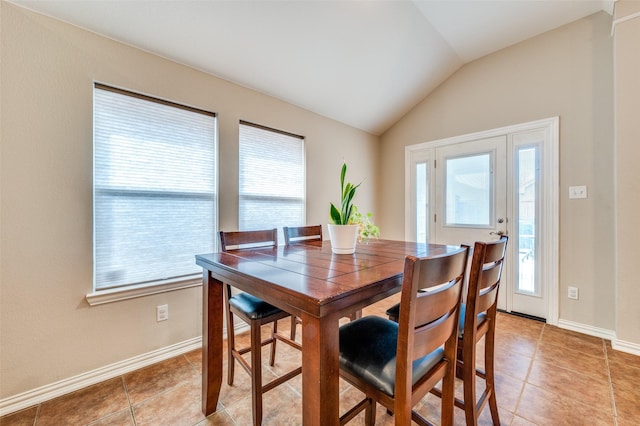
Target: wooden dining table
(319,287)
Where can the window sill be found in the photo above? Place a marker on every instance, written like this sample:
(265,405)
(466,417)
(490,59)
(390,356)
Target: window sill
(117,294)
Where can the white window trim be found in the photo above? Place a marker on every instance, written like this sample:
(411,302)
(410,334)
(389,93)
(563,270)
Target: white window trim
(139,290)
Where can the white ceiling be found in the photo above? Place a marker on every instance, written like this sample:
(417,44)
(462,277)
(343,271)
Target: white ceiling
(364,63)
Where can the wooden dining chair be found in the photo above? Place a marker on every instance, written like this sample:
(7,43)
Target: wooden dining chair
(302,234)
(256,313)
(396,364)
(477,320)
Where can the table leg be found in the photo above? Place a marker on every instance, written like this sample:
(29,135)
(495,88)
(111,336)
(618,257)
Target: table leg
(320,371)
(212,308)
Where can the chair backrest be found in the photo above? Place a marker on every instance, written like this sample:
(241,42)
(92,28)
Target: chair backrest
(429,304)
(484,280)
(236,240)
(302,234)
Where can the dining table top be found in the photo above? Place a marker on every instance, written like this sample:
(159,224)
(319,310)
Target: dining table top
(310,277)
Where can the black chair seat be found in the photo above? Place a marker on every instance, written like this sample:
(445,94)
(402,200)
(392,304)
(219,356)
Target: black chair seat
(393,312)
(368,349)
(252,306)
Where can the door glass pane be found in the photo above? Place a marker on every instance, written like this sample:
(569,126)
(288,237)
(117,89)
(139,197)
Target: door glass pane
(468,190)
(422,203)
(527,200)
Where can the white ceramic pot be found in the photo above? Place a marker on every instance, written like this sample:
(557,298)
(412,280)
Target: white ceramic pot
(343,238)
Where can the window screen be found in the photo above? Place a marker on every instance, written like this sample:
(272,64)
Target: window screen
(272,179)
(154,188)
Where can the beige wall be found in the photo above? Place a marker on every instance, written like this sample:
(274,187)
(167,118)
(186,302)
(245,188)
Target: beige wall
(567,73)
(627,126)
(48,332)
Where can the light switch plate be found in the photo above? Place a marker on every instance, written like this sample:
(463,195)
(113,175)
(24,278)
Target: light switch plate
(578,191)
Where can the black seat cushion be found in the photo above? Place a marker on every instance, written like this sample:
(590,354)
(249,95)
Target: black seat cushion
(394,311)
(368,350)
(252,306)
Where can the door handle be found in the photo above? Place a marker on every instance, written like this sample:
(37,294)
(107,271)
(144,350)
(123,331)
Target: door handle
(498,233)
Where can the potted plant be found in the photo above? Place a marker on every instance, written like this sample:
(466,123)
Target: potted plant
(349,225)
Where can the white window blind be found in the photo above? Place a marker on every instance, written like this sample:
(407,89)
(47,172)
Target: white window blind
(272,179)
(154,189)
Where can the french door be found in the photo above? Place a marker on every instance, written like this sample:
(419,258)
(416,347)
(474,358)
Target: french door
(479,187)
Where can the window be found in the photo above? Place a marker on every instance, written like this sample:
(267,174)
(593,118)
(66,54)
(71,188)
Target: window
(468,191)
(154,190)
(272,179)
(422,201)
(527,199)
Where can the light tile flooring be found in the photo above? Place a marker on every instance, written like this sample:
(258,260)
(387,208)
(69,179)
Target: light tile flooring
(545,376)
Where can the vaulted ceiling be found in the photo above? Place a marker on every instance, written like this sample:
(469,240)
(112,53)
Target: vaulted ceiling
(364,63)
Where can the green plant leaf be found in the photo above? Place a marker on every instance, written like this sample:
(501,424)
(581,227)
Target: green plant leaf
(347,194)
(335,215)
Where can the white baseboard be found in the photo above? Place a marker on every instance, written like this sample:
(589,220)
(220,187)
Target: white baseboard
(587,329)
(628,347)
(619,345)
(62,387)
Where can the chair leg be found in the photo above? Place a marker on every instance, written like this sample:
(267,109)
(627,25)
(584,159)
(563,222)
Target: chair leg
(447,396)
(231,341)
(490,376)
(294,323)
(256,374)
(370,413)
(272,358)
(493,406)
(469,390)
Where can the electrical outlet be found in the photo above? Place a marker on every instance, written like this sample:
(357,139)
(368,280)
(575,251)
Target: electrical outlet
(578,192)
(162,313)
(572,293)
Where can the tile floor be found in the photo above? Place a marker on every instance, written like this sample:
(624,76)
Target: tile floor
(545,376)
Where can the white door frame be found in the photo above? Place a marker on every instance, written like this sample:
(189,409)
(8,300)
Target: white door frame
(550,201)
